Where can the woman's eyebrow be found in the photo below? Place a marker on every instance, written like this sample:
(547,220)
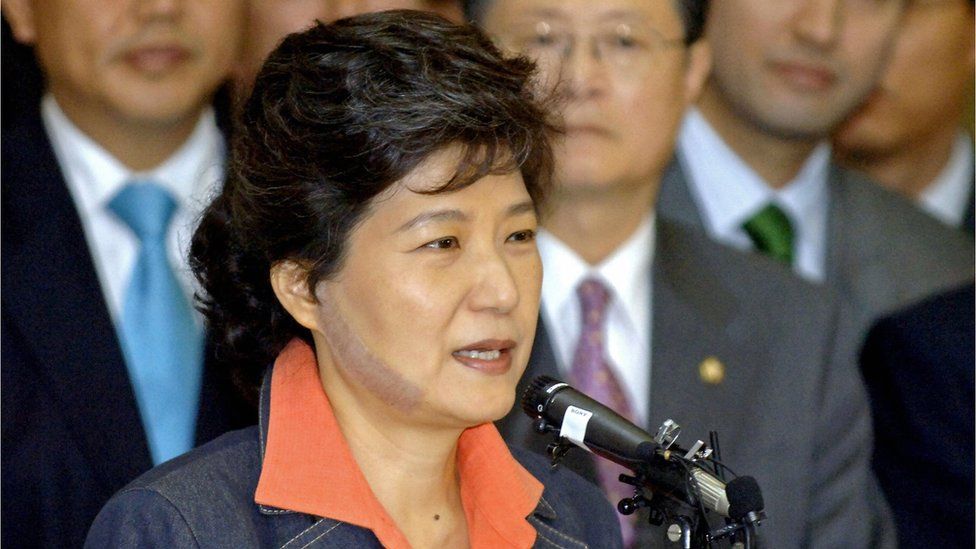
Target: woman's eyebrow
(432,216)
(520,208)
(457,215)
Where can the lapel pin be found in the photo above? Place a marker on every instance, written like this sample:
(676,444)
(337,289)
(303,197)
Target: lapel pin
(711,370)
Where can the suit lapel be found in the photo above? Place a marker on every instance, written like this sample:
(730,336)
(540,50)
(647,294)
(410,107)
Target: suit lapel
(856,266)
(697,319)
(675,202)
(838,239)
(53,296)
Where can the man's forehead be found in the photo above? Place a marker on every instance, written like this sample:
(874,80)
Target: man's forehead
(571,10)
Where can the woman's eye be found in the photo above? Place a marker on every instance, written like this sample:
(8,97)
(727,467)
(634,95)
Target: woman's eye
(527,235)
(443,243)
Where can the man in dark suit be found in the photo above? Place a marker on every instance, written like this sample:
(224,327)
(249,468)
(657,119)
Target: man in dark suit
(909,135)
(685,328)
(754,167)
(103,358)
(918,366)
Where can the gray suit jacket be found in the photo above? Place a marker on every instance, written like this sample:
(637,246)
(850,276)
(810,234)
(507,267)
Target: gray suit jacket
(883,252)
(787,412)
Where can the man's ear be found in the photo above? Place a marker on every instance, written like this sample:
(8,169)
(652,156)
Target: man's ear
(698,69)
(290,285)
(20,15)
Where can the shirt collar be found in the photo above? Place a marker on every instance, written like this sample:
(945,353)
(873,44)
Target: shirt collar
(731,192)
(805,198)
(624,272)
(627,271)
(309,468)
(189,174)
(947,197)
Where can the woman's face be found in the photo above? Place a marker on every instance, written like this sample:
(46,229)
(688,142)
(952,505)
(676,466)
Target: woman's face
(435,308)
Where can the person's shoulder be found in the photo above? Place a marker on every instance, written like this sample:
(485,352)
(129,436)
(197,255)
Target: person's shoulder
(907,228)
(177,502)
(751,279)
(936,332)
(223,460)
(570,506)
(952,307)
(221,474)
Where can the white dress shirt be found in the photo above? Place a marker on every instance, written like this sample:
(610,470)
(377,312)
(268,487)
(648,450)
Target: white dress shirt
(947,197)
(94,176)
(728,193)
(627,275)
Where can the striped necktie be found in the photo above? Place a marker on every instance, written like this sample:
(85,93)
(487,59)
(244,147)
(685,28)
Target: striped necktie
(162,344)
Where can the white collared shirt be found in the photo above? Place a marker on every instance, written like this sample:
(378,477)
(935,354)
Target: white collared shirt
(627,274)
(94,177)
(728,193)
(947,197)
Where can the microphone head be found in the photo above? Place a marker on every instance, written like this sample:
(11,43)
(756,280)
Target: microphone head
(744,497)
(535,395)
(645,451)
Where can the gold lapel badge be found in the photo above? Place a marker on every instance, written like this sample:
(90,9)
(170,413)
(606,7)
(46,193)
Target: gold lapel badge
(711,370)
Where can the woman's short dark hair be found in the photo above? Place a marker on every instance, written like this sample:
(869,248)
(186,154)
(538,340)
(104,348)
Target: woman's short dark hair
(337,115)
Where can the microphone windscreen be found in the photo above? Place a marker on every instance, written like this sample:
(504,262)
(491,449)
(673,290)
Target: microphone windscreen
(744,497)
(535,395)
(645,451)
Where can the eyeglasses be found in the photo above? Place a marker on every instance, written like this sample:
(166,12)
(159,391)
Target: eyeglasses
(620,45)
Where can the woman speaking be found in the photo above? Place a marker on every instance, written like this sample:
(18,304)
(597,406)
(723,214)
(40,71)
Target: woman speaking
(374,241)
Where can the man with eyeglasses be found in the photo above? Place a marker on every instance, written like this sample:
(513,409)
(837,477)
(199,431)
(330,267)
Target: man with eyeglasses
(657,321)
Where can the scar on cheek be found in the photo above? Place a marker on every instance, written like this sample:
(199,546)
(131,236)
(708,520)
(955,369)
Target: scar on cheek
(354,357)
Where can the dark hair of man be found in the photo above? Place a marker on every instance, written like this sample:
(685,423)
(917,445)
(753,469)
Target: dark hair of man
(339,114)
(692,12)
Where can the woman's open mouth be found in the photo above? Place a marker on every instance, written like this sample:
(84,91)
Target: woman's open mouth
(492,356)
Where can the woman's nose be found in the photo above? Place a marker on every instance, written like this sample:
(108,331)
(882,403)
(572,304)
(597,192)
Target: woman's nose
(494,287)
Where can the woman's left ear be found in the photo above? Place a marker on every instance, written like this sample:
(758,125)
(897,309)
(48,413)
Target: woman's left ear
(698,69)
(289,280)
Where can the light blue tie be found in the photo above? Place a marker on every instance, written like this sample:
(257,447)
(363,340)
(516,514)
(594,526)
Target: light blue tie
(163,347)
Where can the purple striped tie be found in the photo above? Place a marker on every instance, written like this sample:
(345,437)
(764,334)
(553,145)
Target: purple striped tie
(592,374)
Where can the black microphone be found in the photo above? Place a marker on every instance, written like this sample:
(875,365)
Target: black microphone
(598,429)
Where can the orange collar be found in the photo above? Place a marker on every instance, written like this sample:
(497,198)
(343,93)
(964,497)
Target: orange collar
(308,466)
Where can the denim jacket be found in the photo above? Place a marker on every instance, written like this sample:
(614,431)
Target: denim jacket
(206,499)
